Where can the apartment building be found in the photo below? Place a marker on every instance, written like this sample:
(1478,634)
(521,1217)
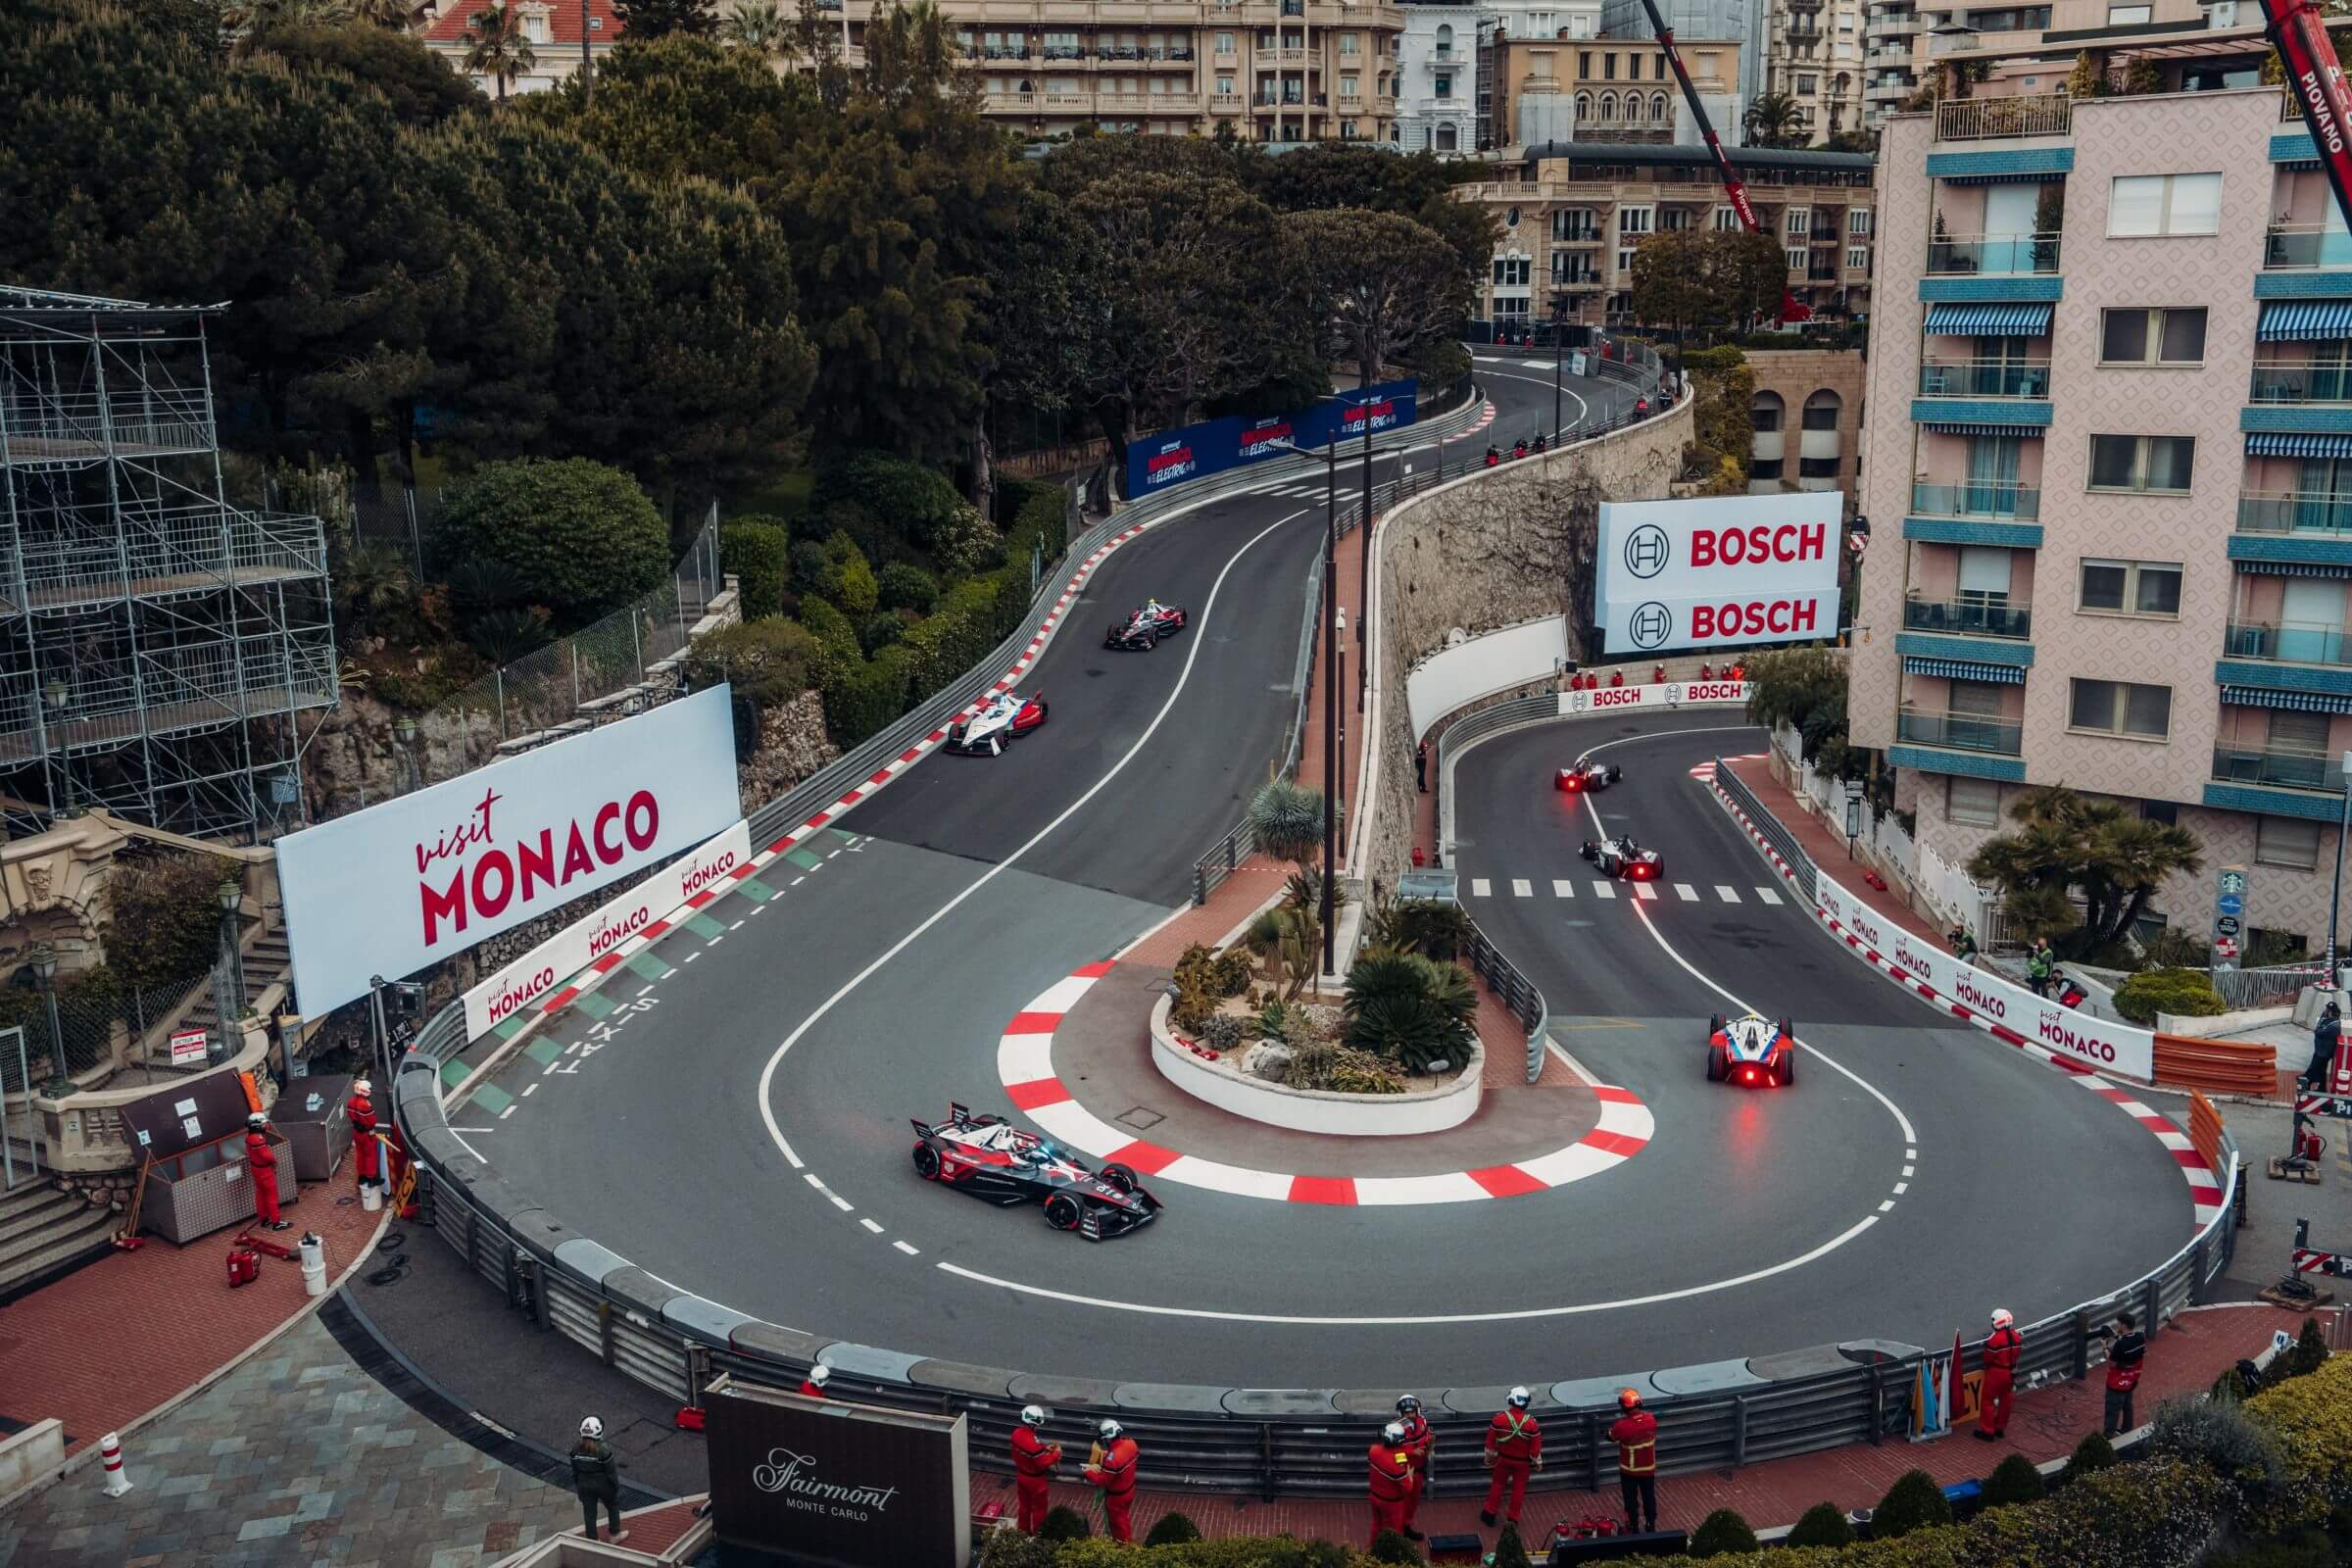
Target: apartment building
(1816,58)
(1573,214)
(2109,442)
(1601,89)
(553,27)
(2029,48)
(1743,21)
(1893,55)
(1437,79)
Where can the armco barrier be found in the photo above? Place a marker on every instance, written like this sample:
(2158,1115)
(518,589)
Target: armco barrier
(1776,833)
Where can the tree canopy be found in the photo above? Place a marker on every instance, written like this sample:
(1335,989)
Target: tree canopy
(2068,844)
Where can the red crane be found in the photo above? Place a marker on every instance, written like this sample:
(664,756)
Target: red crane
(1790,310)
(2301,37)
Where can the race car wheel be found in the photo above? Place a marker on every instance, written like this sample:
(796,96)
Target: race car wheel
(1715,1065)
(1062,1212)
(1714,1024)
(1788,1065)
(987,1119)
(1150,641)
(1121,1177)
(926,1163)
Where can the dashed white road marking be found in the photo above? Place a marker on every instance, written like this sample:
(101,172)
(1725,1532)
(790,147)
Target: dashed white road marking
(1645,892)
(1726,895)
(1563,889)
(1481,888)
(910,1252)
(1768,896)
(510,1111)
(1686,892)
(871,1226)
(1605,890)
(528,1090)
(1520,888)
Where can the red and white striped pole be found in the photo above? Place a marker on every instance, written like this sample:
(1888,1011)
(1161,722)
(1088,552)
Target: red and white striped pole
(110,1452)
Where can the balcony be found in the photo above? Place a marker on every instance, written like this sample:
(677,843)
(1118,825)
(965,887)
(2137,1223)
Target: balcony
(1986,378)
(2296,512)
(1960,732)
(1968,618)
(1992,119)
(2288,642)
(2269,768)
(1970,255)
(2285,381)
(2288,247)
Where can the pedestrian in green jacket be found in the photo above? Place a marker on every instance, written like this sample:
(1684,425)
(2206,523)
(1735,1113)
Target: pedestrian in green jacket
(2041,963)
(596,1477)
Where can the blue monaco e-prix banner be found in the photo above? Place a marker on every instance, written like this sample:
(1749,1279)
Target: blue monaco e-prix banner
(1169,458)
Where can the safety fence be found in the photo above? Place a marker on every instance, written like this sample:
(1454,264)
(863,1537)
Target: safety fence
(1240,840)
(1774,833)
(1268,1442)
(2274,986)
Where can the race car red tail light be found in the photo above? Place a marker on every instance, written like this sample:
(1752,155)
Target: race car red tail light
(1640,872)
(1569,781)
(1748,1075)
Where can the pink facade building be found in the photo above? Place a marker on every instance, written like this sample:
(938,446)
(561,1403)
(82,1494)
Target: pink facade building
(2108,455)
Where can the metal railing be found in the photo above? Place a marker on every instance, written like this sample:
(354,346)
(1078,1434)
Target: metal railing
(1985,378)
(2294,511)
(1776,833)
(2299,381)
(1960,732)
(2011,503)
(2290,642)
(1993,253)
(2266,987)
(1516,992)
(2278,768)
(1987,119)
(1240,841)
(1968,618)
(2289,246)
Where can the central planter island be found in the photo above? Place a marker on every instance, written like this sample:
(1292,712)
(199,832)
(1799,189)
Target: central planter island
(1447,1104)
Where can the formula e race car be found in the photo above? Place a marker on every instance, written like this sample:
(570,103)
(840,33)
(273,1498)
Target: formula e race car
(1623,858)
(1146,625)
(999,719)
(989,1157)
(1577,776)
(1749,1051)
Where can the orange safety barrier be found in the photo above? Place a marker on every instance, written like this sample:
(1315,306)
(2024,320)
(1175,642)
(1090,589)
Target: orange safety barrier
(2205,1128)
(2216,1066)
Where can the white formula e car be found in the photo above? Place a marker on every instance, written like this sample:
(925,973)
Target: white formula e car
(1588,775)
(1000,719)
(1622,858)
(1750,1051)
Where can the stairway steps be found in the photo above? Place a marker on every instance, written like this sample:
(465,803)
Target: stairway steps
(76,1223)
(31,1207)
(18,1272)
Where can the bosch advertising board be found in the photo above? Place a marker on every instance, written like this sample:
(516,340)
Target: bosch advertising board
(401,885)
(1725,571)
(1665,693)
(1168,458)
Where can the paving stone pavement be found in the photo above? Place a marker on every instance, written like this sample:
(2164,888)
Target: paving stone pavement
(297,1457)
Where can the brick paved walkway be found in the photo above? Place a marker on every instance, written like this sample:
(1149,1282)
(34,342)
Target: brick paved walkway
(1826,848)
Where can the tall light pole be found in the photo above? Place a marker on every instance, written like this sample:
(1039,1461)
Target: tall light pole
(1363,583)
(2335,890)
(228,977)
(1331,676)
(44,979)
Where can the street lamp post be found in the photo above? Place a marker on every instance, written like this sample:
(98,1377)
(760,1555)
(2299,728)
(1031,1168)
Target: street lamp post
(229,976)
(406,728)
(1560,337)
(1330,678)
(44,979)
(2335,890)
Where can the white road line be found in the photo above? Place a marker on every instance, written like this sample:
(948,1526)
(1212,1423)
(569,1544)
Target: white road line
(1768,896)
(691,956)
(767,1074)
(1562,890)
(1910,1154)
(1726,895)
(544,1071)
(798,880)
(910,1252)
(510,1111)
(871,1226)
(1901,1187)
(642,990)
(1888,1205)
(1645,892)
(1908,1169)
(1481,888)
(1521,889)
(528,1090)
(473,1130)
(1605,890)
(840,1202)
(737,926)
(1686,892)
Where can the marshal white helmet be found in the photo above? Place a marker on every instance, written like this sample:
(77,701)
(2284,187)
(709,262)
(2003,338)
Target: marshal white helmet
(1033,1415)
(820,1375)
(362,1085)
(1407,1405)
(1109,1430)
(1393,1431)
(1521,1397)
(257,1121)
(2001,1318)
(592,1428)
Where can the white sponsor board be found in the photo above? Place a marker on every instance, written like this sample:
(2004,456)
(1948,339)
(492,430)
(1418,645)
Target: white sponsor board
(1664,694)
(1718,572)
(538,972)
(401,885)
(1515,655)
(2071,1037)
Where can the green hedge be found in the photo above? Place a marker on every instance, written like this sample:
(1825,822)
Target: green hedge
(1041,517)
(757,550)
(2186,992)
(2310,1416)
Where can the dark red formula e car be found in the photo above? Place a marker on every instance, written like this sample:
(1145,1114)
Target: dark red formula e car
(990,1157)
(1146,625)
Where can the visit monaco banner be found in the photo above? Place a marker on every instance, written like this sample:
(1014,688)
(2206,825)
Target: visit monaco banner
(1720,571)
(580,944)
(2075,1037)
(405,884)
(1664,694)
(1167,458)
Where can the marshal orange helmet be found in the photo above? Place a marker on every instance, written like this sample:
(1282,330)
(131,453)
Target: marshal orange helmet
(1629,1399)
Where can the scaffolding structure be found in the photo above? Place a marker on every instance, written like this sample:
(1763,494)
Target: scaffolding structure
(158,646)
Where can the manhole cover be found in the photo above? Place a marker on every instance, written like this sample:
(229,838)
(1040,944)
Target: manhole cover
(1142,1120)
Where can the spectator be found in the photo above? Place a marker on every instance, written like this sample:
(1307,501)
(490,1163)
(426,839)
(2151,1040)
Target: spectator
(1421,766)
(2324,1038)
(1963,944)
(2127,1348)
(2041,963)
(596,1477)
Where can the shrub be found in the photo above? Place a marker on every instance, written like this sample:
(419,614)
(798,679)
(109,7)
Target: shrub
(767,661)
(1823,1525)
(2183,991)
(582,536)
(2014,1480)
(956,636)
(1040,523)
(905,587)
(1431,927)
(1221,1031)
(2153,1514)
(1169,1529)
(1390,1545)
(832,628)
(864,695)
(1008,1548)
(1913,1502)
(163,915)
(1287,819)
(2310,1419)
(2219,1433)
(910,499)
(757,550)
(1720,1533)
(1218,974)
(882,628)
(2092,1455)
(1410,1010)
(851,584)
(1509,1550)
(1064,1524)
(1304,890)
(810,567)
(2309,1352)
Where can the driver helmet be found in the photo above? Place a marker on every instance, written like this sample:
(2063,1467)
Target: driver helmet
(1409,1405)
(1393,1431)
(592,1428)
(1109,1430)
(2001,1317)
(820,1375)
(1033,1415)
(1628,1399)
(1520,1398)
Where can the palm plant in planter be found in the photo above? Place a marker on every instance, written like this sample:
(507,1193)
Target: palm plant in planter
(1409,1010)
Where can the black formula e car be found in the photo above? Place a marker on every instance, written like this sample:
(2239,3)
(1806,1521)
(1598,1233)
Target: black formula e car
(1622,858)
(1577,777)
(990,1157)
(1146,625)
(1750,1051)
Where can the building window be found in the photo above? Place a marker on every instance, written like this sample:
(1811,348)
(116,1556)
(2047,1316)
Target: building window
(2120,708)
(2142,205)
(1608,67)
(1821,410)
(1800,221)
(1973,801)
(2286,841)
(1510,272)
(1857,220)
(1808,84)
(1443,86)
(1634,220)
(1584,107)
(1583,62)
(1796,259)
(1445,138)
(1625,261)
(2126,16)
(1857,258)
(2152,336)
(2131,587)
(1633,108)
(1764,414)
(1608,107)
(1726,219)
(1657,107)
(1817,467)
(1225,87)
(1765,468)
(2152,462)
(1347,84)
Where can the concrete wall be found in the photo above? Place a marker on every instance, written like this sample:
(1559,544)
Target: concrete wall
(1796,374)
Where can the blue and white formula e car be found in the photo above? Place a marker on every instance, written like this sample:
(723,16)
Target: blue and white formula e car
(1750,1051)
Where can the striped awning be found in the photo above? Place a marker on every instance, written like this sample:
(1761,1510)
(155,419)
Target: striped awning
(1969,427)
(1989,320)
(2293,569)
(1962,669)
(2302,320)
(2296,444)
(2300,702)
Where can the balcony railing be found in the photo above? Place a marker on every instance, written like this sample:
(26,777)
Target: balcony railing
(1984,119)
(2289,642)
(1993,253)
(2280,381)
(2280,769)
(1968,618)
(2294,511)
(2008,503)
(1960,732)
(1986,378)
(2299,245)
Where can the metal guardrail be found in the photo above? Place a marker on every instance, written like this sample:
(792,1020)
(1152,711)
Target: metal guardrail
(1774,833)
(1517,993)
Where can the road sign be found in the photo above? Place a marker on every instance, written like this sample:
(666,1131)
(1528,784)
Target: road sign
(2230,903)
(2226,926)
(2229,906)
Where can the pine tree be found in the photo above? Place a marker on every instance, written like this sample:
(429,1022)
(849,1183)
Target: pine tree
(643,20)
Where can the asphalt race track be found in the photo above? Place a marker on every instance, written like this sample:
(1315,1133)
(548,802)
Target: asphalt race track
(739,1127)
